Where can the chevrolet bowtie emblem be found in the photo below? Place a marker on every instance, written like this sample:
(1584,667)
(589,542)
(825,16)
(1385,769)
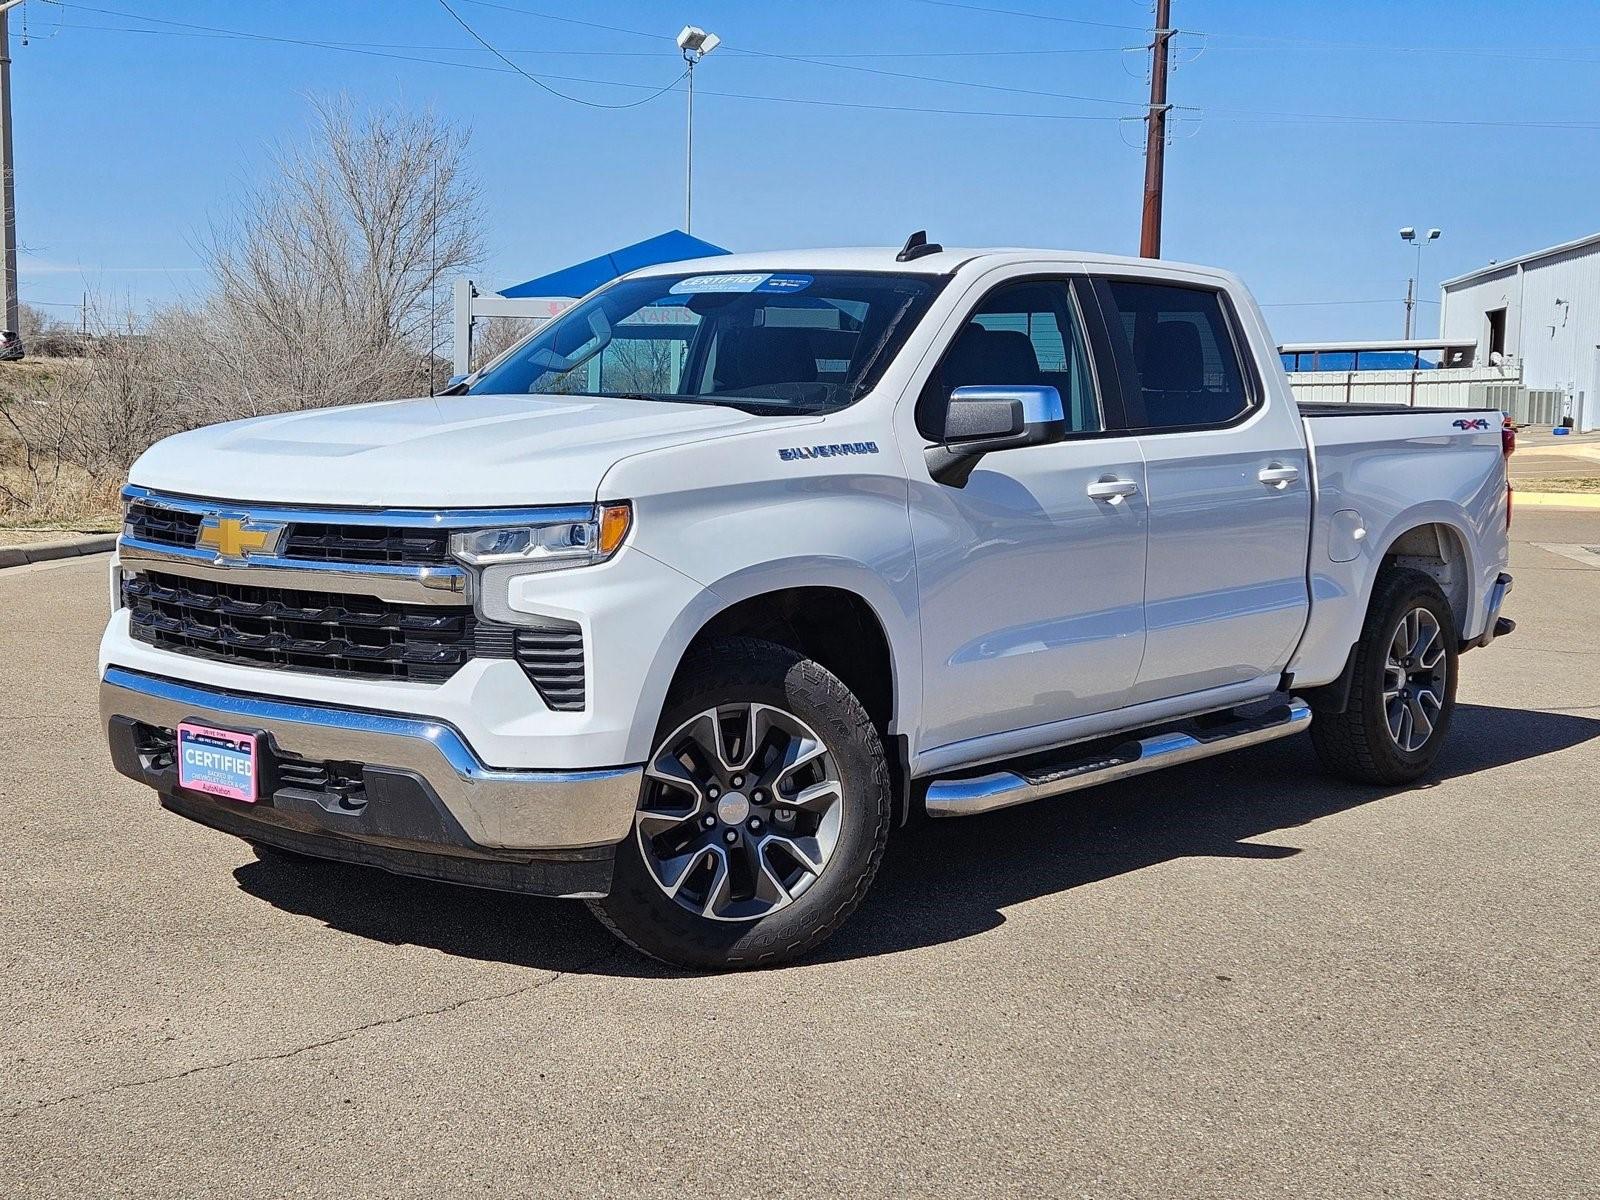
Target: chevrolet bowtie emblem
(238,538)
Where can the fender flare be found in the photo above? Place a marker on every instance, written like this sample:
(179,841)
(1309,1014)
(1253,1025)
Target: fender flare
(895,618)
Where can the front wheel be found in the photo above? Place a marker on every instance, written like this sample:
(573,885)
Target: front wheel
(763,816)
(1403,691)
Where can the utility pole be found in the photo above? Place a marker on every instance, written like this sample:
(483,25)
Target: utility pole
(8,192)
(1155,146)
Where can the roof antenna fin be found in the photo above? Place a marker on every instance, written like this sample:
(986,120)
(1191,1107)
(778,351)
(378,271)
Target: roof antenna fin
(917,246)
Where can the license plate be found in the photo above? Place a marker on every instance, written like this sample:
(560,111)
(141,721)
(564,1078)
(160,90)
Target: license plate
(218,762)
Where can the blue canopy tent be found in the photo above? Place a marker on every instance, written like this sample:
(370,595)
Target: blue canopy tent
(582,278)
(544,297)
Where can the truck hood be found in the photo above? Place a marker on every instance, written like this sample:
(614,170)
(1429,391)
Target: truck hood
(454,451)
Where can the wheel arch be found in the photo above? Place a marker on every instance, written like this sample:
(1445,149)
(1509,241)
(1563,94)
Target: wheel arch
(836,612)
(840,614)
(1439,547)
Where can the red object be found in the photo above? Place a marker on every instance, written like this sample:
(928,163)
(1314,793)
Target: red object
(1508,445)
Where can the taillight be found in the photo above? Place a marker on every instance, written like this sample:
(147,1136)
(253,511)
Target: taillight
(1508,444)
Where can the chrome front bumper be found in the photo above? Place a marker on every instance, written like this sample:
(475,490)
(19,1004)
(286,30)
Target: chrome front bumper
(496,809)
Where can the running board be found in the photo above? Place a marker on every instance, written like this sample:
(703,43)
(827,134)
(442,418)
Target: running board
(1001,789)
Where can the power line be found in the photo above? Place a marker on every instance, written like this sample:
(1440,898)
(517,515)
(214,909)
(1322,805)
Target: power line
(818,60)
(1531,53)
(512,68)
(539,83)
(201,30)
(1268,115)
(342,45)
(1333,303)
(529,12)
(1012,12)
(541,50)
(1235,115)
(992,87)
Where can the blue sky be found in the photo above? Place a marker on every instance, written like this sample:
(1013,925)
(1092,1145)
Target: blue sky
(129,143)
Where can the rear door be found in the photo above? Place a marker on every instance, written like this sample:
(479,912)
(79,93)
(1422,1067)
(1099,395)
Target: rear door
(1228,489)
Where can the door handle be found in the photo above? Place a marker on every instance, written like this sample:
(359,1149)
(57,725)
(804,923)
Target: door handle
(1112,489)
(1278,476)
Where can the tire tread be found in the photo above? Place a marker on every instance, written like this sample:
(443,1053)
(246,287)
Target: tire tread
(752,658)
(1344,741)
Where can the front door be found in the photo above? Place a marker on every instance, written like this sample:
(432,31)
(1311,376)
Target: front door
(1031,576)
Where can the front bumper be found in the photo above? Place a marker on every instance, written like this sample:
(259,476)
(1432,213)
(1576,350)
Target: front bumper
(422,789)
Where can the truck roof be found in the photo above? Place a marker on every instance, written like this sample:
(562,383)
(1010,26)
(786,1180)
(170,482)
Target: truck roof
(944,262)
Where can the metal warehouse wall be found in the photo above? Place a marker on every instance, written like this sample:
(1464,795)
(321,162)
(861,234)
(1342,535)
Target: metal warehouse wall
(1552,322)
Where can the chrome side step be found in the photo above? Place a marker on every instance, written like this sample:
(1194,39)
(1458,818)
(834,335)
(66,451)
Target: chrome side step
(1001,789)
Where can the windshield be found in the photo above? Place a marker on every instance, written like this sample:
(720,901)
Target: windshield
(765,343)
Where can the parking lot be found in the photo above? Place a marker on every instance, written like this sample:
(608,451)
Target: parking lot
(1237,978)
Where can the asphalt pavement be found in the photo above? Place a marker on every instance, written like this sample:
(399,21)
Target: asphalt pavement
(1233,979)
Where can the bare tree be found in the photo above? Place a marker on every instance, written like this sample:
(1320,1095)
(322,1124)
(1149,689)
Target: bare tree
(97,417)
(493,336)
(326,279)
(324,284)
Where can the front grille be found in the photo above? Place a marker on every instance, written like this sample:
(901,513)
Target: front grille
(164,526)
(552,658)
(368,544)
(396,545)
(321,632)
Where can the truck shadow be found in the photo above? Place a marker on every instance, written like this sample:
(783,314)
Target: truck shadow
(941,880)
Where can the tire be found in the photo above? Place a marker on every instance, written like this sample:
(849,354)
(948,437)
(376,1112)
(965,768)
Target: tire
(1362,743)
(765,881)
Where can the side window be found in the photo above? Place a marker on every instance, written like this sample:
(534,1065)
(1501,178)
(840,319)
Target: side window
(1023,333)
(1186,365)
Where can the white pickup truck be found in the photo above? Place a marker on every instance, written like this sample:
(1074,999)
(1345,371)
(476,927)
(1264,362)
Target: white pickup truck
(686,602)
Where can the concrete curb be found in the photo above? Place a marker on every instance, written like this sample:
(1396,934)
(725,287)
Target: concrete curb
(1557,499)
(35,552)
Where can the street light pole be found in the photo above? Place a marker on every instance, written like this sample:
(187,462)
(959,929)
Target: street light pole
(1409,234)
(695,43)
(688,153)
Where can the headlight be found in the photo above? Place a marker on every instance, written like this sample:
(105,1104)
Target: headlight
(548,546)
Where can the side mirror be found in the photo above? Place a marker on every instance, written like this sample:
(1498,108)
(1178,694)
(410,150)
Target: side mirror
(979,420)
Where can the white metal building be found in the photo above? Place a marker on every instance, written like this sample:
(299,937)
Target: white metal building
(1542,311)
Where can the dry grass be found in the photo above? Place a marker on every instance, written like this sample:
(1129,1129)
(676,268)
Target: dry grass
(49,496)
(1585,483)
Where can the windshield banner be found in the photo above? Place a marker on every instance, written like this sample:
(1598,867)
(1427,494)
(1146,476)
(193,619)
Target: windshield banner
(745,282)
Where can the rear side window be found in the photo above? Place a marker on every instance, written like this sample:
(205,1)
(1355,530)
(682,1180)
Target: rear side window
(1185,362)
(1021,334)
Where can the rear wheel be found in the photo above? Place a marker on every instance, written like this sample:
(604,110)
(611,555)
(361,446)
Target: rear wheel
(763,816)
(1403,691)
